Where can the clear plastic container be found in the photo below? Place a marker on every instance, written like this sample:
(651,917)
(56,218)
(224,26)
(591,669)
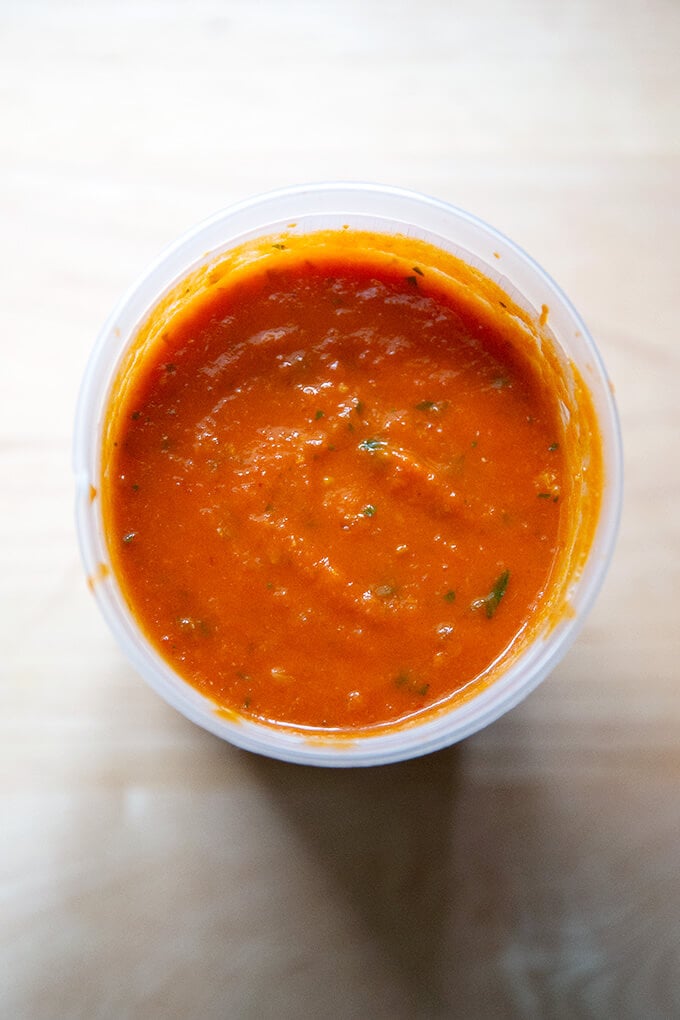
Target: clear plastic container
(385,210)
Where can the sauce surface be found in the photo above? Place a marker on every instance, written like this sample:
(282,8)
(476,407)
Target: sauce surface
(333,495)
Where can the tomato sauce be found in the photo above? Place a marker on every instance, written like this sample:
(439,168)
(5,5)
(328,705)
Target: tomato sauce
(334,488)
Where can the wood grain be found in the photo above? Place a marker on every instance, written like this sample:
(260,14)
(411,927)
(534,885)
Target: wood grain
(147,869)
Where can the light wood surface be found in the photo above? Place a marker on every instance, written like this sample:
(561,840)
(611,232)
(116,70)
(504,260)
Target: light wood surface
(147,869)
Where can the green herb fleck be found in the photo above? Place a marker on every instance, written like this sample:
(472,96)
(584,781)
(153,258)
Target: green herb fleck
(372,445)
(130,536)
(170,368)
(404,680)
(432,405)
(473,443)
(418,271)
(544,495)
(553,446)
(369,510)
(135,487)
(331,448)
(450,596)
(246,703)
(281,247)
(319,414)
(502,304)
(413,280)
(491,601)
(135,415)
(359,407)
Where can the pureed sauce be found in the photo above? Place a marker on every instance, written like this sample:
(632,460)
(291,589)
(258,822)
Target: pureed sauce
(335,488)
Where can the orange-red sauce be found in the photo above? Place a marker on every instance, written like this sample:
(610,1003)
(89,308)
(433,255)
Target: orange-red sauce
(334,492)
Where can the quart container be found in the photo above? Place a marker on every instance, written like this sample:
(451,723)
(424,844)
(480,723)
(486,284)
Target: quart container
(385,210)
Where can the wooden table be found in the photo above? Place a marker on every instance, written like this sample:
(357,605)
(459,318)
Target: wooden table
(148,870)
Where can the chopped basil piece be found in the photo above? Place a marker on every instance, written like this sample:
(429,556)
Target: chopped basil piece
(404,680)
(371,445)
(491,601)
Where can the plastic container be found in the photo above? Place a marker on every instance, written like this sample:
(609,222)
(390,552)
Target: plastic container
(385,210)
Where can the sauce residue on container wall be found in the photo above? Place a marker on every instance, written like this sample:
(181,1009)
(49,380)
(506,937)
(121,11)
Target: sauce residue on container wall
(100,574)
(345,480)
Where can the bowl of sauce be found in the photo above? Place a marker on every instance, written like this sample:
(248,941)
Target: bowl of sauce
(349,474)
